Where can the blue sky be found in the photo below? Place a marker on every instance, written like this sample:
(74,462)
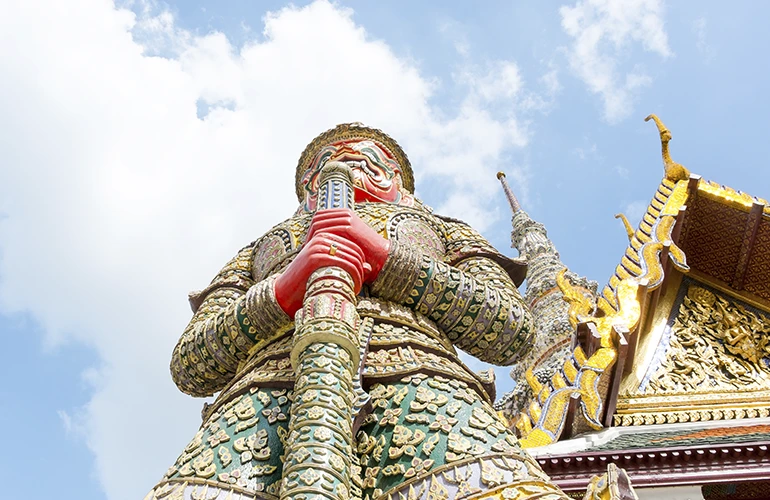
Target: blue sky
(145,143)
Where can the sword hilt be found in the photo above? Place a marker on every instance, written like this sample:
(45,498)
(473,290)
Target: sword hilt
(335,186)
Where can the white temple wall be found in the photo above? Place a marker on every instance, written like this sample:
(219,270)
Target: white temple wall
(670,493)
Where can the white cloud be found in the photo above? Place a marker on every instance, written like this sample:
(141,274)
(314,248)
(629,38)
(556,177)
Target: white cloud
(466,151)
(66,421)
(586,152)
(550,84)
(601,30)
(550,81)
(700,30)
(634,211)
(502,80)
(453,31)
(494,115)
(117,199)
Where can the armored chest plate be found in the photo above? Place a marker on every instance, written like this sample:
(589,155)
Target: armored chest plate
(407,226)
(275,250)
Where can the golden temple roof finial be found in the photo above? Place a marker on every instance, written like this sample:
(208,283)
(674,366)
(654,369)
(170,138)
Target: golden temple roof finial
(674,171)
(627,225)
(515,207)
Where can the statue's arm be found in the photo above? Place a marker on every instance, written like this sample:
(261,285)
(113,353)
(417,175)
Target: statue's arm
(232,315)
(471,297)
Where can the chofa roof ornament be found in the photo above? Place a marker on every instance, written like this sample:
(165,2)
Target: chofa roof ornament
(674,171)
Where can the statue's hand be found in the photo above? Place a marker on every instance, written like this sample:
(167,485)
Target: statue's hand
(320,250)
(344,223)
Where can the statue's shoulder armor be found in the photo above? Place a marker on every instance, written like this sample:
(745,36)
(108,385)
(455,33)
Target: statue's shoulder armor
(462,242)
(259,259)
(412,226)
(235,274)
(276,247)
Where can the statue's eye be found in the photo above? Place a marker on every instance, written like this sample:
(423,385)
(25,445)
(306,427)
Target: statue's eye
(363,166)
(369,170)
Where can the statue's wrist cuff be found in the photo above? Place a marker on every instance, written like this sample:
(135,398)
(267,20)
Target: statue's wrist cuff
(263,310)
(399,273)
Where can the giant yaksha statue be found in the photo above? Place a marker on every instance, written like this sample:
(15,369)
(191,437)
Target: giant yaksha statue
(332,343)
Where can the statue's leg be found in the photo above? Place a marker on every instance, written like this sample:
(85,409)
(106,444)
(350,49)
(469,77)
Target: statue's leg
(431,437)
(236,452)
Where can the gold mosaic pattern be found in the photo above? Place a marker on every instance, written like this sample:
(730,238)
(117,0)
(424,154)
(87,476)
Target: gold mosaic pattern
(712,365)
(716,344)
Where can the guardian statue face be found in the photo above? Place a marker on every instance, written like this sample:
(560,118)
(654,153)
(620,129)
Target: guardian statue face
(377,176)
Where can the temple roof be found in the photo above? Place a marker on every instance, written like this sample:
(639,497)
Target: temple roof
(681,332)
(724,233)
(687,437)
(726,237)
(674,457)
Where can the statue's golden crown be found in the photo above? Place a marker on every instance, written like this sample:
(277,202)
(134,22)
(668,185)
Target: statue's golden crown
(348,132)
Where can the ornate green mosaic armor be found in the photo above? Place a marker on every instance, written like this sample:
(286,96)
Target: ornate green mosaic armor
(429,431)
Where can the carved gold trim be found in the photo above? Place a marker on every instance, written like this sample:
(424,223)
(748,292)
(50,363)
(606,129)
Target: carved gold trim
(651,237)
(729,196)
(544,421)
(649,340)
(676,199)
(682,415)
(710,371)
(743,296)
(689,400)
(580,306)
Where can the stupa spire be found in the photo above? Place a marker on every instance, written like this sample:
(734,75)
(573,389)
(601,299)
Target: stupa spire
(512,200)
(543,297)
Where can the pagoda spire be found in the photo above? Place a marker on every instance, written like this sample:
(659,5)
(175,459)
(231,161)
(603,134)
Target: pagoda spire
(551,312)
(512,200)
(529,237)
